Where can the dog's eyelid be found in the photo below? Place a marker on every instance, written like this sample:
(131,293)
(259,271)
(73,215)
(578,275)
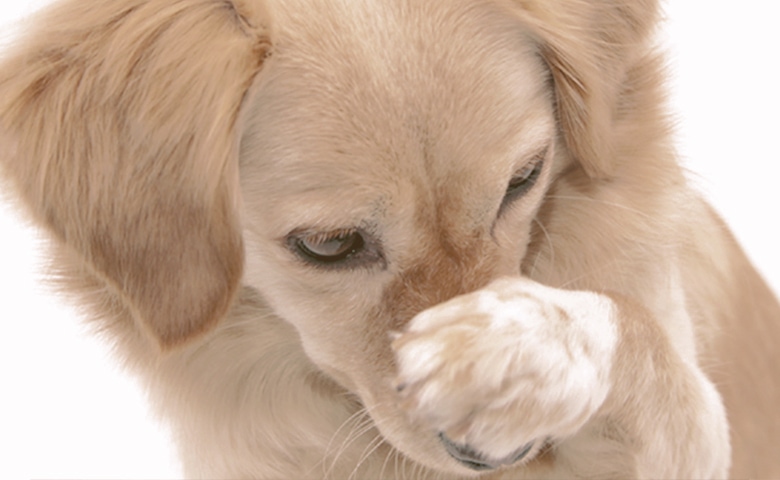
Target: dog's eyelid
(524,179)
(540,156)
(331,247)
(342,248)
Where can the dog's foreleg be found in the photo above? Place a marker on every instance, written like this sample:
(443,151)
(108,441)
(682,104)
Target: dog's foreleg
(589,384)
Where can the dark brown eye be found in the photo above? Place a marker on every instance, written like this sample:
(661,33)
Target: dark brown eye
(330,247)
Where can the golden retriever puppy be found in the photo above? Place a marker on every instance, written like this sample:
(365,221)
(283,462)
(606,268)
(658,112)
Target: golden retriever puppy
(394,239)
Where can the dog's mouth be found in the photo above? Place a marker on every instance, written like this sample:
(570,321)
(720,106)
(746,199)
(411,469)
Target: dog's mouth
(478,461)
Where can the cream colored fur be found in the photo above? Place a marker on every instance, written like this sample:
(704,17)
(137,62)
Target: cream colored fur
(176,151)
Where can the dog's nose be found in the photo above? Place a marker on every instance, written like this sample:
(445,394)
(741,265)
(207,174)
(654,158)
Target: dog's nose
(478,461)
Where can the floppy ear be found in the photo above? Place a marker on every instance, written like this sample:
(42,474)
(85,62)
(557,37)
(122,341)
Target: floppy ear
(590,46)
(120,134)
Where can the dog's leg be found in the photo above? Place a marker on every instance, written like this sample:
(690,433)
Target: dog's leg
(586,384)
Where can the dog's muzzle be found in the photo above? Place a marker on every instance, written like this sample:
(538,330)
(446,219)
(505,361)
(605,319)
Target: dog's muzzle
(478,461)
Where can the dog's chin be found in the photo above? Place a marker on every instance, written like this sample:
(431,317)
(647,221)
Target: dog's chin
(414,440)
(422,444)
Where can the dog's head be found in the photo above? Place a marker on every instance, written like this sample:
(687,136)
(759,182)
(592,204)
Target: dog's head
(354,162)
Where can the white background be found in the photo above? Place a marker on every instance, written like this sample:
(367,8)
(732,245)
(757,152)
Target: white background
(67,412)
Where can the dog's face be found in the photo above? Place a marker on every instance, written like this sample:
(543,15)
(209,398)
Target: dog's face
(386,157)
(378,182)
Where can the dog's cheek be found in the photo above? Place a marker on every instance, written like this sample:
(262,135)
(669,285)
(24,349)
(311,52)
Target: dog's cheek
(329,311)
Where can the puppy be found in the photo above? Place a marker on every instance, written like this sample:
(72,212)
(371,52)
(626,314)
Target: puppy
(394,239)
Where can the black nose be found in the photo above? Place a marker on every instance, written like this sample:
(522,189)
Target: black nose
(479,461)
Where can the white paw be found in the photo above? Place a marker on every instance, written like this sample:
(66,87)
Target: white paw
(515,362)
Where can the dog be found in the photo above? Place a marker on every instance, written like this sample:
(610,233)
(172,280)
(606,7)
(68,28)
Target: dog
(394,239)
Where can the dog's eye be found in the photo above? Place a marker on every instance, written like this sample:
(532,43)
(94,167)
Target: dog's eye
(330,247)
(524,180)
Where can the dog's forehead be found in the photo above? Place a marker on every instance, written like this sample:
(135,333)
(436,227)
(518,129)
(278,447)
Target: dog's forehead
(431,92)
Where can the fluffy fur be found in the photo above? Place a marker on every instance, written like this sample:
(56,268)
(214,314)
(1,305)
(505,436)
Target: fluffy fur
(603,323)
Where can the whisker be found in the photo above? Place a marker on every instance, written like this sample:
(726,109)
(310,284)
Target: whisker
(365,426)
(362,423)
(391,453)
(358,424)
(371,447)
(358,415)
